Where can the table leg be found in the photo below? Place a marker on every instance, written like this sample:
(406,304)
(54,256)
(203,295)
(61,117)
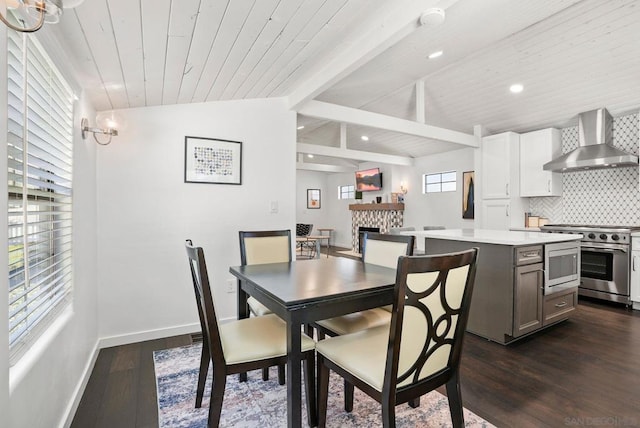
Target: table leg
(318,248)
(294,379)
(243,312)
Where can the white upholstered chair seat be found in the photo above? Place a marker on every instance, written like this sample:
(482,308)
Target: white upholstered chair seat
(257,338)
(351,323)
(364,353)
(257,308)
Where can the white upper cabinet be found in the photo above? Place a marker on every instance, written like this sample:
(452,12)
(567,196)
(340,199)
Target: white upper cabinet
(500,166)
(536,149)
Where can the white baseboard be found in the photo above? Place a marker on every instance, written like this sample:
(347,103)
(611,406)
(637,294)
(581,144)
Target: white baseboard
(70,411)
(125,339)
(141,336)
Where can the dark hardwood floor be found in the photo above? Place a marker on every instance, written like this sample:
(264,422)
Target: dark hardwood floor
(582,372)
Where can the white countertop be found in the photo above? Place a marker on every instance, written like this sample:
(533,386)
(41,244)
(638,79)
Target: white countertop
(500,237)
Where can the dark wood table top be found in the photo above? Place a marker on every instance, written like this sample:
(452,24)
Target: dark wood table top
(302,282)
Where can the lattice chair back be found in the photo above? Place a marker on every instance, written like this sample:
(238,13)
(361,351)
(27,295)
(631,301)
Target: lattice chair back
(429,317)
(303,229)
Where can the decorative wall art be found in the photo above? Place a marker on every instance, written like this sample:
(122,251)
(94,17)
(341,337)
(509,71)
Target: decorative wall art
(210,160)
(313,198)
(468,207)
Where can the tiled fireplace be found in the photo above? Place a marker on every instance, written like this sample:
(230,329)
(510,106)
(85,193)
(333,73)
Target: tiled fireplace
(382,216)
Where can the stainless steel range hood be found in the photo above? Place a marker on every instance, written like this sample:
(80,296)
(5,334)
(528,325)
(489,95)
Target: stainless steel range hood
(595,150)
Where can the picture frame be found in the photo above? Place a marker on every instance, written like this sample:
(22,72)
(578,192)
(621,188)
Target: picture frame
(468,203)
(212,161)
(313,199)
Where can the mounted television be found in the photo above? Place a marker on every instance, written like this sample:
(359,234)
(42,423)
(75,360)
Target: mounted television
(369,180)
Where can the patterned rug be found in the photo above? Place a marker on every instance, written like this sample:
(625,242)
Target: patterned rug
(257,403)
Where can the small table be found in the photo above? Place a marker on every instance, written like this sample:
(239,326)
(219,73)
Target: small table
(307,291)
(330,231)
(318,239)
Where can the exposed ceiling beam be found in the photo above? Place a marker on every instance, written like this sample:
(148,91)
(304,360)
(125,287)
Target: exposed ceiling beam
(389,25)
(361,156)
(354,116)
(323,167)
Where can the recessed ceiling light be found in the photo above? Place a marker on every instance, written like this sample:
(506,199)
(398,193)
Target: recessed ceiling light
(516,88)
(435,54)
(310,156)
(364,138)
(301,127)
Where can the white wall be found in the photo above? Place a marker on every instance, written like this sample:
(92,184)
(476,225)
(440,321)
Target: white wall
(146,211)
(47,382)
(317,217)
(438,209)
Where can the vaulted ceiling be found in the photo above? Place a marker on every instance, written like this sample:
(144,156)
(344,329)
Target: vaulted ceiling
(570,56)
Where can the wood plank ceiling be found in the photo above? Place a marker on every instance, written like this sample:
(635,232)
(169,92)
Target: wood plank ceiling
(570,55)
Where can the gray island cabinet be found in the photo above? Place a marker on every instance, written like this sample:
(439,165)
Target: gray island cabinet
(509,297)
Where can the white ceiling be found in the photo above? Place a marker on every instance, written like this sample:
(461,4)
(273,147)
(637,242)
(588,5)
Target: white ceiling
(570,55)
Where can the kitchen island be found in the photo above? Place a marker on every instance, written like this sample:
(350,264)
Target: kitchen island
(512,295)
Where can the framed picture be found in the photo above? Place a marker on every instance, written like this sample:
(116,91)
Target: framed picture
(468,207)
(313,198)
(210,160)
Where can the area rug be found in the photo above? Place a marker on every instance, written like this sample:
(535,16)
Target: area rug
(258,403)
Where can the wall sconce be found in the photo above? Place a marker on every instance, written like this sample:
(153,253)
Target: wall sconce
(403,188)
(107,124)
(48,11)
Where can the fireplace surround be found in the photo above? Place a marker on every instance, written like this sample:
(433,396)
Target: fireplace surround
(379,216)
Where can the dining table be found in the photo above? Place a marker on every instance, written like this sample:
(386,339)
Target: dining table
(301,292)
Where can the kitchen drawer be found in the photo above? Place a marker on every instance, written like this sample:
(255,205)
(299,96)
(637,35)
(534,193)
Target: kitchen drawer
(557,306)
(528,255)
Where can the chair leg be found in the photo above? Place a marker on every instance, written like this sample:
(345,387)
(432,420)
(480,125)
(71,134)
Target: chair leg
(310,388)
(281,374)
(242,377)
(388,414)
(323,392)
(205,358)
(217,395)
(455,400)
(348,396)
(265,373)
(415,403)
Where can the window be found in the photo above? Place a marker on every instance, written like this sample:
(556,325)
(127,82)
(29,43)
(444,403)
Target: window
(440,182)
(347,192)
(40,123)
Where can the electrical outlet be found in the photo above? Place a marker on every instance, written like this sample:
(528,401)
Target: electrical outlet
(231,285)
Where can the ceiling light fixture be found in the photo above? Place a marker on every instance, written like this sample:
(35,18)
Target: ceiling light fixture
(300,127)
(435,54)
(364,138)
(432,17)
(310,156)
(516,88)
(48,11)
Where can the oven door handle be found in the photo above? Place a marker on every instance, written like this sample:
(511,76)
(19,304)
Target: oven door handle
(608,250)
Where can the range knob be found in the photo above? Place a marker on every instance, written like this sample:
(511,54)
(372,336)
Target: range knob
(615,237)
(603,236)
(592,236)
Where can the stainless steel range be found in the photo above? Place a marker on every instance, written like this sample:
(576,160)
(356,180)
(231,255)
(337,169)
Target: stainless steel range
(605,259)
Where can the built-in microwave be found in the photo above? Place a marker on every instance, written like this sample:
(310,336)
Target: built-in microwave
(561,266)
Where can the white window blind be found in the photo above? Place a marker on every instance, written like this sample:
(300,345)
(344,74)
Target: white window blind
(40,123)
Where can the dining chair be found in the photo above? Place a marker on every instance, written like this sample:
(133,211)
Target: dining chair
(260,247)
(421,348)
(241,345)
(378,249)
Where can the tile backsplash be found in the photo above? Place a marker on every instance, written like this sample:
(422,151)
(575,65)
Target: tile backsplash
(598,197)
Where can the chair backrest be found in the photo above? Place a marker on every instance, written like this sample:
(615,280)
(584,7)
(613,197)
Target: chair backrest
(384,250)
(265,246)
(397,230)
(303,229)
(429,317)
(204,301)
